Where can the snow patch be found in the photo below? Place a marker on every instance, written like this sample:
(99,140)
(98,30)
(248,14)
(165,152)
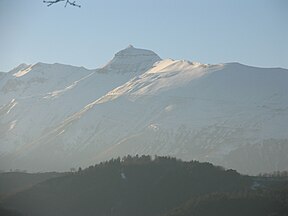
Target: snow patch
(123,176)
(12,104)
(12,125)
(61,132)
(23,71)
(154,127)
(169,108)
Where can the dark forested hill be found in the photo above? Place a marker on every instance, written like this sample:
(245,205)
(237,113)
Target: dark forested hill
(14,182)
(133,186)
(240,204)
(7,212)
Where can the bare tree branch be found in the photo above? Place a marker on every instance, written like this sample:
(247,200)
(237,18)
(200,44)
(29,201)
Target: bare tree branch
(49,3)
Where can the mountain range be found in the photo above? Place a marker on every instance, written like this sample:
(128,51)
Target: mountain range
(54,116)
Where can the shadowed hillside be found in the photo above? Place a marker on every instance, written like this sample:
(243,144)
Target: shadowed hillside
(245,203)
(14,182)
(131,186)
(145,187)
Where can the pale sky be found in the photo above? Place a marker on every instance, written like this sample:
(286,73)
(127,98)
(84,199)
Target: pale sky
(252,32)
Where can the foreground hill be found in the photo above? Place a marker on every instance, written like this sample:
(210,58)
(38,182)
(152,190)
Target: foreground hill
(14,182)
(142,186)
(134,186)
(248,204)
(62,116)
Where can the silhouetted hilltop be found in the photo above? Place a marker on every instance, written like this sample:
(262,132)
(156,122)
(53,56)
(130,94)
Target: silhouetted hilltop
(131,186)
(144,186)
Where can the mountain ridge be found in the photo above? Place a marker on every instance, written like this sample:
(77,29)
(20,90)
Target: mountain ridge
(146,105)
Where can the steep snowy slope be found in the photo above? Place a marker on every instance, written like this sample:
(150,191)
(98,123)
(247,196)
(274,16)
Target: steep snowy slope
(26,81)
(23,103)
(35,98)
(230,114)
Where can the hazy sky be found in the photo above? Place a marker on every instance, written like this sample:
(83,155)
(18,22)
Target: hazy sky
(253,32)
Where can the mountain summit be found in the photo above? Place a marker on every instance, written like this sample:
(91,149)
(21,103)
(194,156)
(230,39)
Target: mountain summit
(132,60)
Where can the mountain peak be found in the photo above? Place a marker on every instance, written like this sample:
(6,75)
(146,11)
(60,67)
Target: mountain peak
(132,51)
(132,60)
(130,46)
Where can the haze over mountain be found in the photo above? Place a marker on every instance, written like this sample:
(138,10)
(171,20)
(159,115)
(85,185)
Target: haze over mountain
(55,116)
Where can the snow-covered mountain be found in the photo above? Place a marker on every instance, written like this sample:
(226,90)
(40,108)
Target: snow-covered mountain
(54,117)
